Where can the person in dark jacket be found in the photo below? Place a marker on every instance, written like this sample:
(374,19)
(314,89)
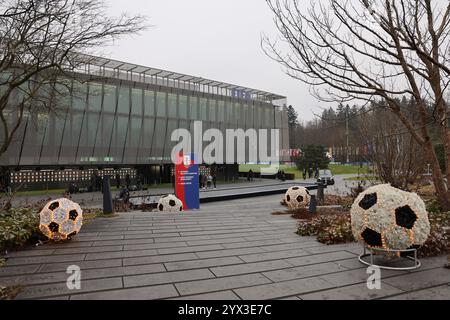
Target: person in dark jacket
(118,180)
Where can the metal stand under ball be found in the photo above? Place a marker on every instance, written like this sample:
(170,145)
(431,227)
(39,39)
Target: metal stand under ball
(417,263)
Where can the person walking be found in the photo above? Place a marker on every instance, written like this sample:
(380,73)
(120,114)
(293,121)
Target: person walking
(304,173)
(310,173)
(214,179)
(200,181)
(128,181)
(118,181)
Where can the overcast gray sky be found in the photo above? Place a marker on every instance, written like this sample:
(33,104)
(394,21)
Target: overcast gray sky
(216,39)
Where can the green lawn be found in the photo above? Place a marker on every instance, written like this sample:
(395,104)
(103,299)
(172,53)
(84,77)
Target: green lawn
(338,169)
(335,169)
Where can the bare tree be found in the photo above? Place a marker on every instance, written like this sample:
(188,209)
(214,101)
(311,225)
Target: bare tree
(42,45)
(363,49)
(399,159)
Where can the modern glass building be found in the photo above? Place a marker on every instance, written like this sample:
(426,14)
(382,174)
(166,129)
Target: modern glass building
(118,118)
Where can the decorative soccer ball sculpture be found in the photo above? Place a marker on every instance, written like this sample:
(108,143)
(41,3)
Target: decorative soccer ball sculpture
(389,218)
(61,219)
(170,203)
(297,197)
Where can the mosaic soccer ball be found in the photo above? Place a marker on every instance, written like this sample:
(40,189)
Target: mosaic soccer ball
(297,197)
(61,219)
(170,203)
(389,218)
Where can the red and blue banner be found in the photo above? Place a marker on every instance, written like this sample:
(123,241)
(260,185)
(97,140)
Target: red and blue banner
(187,181)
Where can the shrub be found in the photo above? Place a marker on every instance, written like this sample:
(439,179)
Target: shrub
(439,241)
(9,293)
(17,226)
(333,228)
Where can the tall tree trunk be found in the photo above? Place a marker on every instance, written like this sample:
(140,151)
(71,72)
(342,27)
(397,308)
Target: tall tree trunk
(442,192)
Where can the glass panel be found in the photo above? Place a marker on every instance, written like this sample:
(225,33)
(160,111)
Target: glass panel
(133,140)
(161,104)
(124,100)
(146,140)
(182,107)
(193,105)
(171,126)
(95,97)
(159,139)
(79,92)
(149,100)
(109,103)
(172,105)
(71,136)
(118,138)
(221,111)
(32,143)
(136,102)
(212,110)
(103,139)
(203,109)
(229,108)
(54,132)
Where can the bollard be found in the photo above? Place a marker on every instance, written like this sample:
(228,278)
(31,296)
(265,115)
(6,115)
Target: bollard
(320,194)
(313,205)
(107,197)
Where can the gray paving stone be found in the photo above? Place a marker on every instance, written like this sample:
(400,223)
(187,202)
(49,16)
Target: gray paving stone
(436,293)
(283,289)
(30,253)
(319,258)
(166,277)
(333,248)
(159,259)
(152,236)
(101,243)
(190,249)
(121,254)
(248,244)
(211,285)
(354,292)
(84,265)
(45,259)
(62,298)
(294,245)
(250,268)
(303,272)
(291,298)
(216,241)
(155,246)
(12,271)
(222,295)
(420,280)
(273,255)
(89,250)
(146,293)
(178,239)
(350,277)
(60,289)
(202,263)
(229,252)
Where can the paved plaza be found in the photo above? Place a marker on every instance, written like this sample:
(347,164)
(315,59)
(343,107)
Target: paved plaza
(227,250)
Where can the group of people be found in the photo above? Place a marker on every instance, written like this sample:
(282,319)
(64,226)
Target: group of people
(281,175)
(309,173)
(208,180)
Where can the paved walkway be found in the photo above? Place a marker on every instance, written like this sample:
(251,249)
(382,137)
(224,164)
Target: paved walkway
(229,250)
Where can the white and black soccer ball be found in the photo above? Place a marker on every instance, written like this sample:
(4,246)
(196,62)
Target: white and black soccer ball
(170,203)
(389,218)
(297,197)
(61,219)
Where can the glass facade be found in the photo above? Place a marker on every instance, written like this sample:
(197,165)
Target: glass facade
(125,123)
